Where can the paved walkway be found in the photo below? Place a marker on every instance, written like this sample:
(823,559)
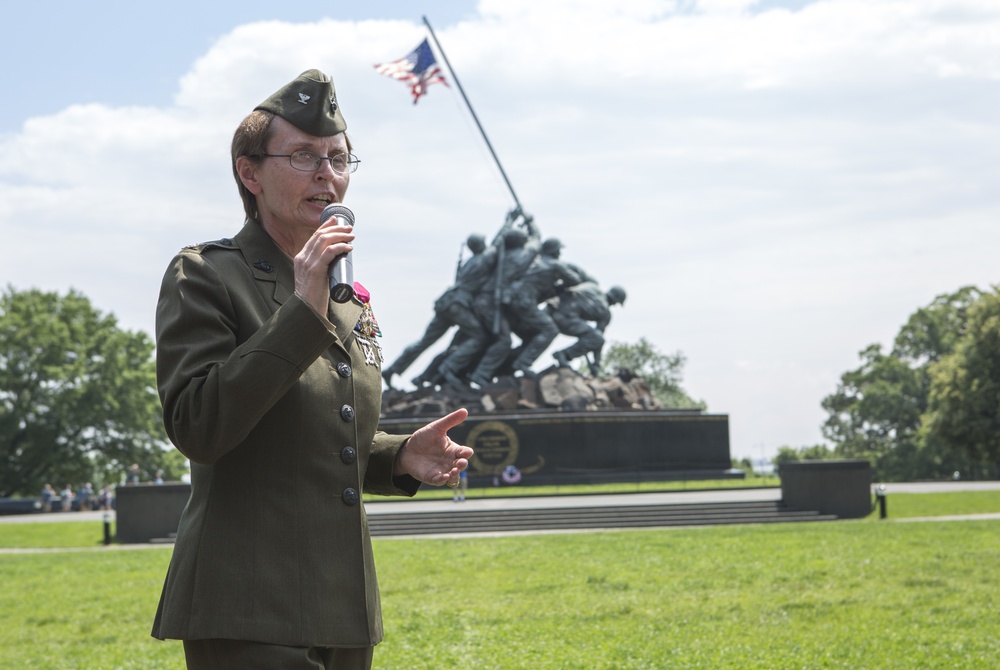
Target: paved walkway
(55,517)
(378,505)
(393,506)
(940,487)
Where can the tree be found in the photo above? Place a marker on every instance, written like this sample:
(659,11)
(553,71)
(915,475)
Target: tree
(876,412)
(816,452)
(964,401)
(662,372)
(78,395)
(932,332)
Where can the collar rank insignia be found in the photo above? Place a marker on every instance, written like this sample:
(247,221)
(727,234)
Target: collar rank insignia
(303,98)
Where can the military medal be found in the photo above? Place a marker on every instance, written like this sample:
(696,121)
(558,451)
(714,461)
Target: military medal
(366,329)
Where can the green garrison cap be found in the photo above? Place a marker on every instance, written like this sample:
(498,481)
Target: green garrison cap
(308,102)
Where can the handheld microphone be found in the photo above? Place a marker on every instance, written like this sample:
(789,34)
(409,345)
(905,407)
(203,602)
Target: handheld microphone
(342,267)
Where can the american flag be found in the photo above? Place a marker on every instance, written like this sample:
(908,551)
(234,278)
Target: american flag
(419,69)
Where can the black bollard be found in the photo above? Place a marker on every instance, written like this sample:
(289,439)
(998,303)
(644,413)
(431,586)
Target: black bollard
(107,528)
(881,497)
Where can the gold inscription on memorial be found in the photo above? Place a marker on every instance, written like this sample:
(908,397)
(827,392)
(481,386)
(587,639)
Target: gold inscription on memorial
(496,447)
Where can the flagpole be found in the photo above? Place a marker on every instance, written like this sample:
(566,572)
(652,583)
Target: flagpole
(472,111)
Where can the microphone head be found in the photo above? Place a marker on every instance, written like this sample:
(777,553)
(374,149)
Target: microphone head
(338,210)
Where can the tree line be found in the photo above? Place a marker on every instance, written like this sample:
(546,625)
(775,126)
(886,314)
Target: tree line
(929,408)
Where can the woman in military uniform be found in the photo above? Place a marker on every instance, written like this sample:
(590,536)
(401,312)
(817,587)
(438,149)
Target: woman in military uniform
(273,392)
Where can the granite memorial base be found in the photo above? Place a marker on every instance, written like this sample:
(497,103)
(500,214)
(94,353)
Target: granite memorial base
(553,447)
(842,487)
(149,511)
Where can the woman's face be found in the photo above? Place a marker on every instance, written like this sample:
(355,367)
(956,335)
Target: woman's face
(290,201)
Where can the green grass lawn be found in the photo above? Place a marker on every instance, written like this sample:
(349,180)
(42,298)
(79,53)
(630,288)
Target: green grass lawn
(909,505)
(849,594)
(52,534)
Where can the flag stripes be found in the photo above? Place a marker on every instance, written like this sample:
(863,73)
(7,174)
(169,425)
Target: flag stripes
(419,69)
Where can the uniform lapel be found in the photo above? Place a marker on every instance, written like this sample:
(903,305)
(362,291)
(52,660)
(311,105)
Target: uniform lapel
(267,263)
(344,317)
(275,277)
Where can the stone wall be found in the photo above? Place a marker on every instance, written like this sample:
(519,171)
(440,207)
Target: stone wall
(149,511)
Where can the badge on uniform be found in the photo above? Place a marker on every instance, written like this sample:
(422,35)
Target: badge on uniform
(366,329)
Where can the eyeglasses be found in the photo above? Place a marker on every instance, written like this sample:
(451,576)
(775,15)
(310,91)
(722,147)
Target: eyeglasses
(307,161)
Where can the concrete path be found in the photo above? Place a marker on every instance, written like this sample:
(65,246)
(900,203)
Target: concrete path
(393,506)
(55,517)
(377,506)
(939,487)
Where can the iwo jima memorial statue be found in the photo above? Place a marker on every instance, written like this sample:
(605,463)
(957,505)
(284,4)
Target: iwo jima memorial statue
(511,298)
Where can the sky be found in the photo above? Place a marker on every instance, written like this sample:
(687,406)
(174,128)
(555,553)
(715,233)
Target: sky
(777,185)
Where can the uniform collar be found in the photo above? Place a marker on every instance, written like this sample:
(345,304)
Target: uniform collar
(269,263)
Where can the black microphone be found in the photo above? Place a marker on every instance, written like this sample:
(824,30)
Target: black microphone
(342,267)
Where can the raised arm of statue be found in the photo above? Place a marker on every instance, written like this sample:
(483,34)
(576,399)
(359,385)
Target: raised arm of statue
(508,223)
(534,235)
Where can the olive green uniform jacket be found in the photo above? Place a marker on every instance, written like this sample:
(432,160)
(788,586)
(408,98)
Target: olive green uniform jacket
(278,414)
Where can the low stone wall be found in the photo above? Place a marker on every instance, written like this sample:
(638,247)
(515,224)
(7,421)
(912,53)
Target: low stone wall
(149,511)
(19,506)
(829,487)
